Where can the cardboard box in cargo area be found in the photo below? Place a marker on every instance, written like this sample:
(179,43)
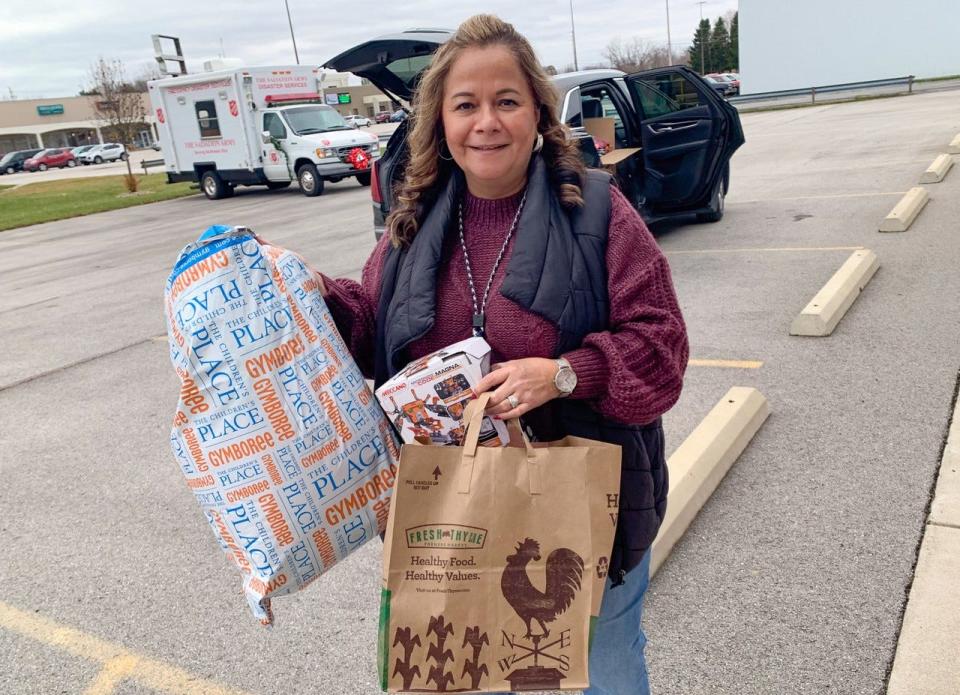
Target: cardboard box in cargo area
(604,129)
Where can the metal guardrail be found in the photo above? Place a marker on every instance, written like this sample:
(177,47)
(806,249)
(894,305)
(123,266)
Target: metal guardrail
(812,92)
(147,163)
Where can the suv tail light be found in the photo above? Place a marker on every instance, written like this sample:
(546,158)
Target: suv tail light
(375,183)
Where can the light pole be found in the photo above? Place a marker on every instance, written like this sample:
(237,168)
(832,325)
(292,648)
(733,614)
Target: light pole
(669,43)
(703,39)
(292,37)
(573,36)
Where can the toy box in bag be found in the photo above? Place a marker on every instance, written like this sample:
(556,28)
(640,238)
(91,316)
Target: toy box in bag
(427,398)
(279,437)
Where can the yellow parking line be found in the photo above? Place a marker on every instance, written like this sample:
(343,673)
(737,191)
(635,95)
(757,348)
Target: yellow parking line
(111,674)
(727,364)
(823,197)
(760,248)
(118,663)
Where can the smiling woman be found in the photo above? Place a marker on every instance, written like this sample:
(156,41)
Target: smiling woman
(500,232)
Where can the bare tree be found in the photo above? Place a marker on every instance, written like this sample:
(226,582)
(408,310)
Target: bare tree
(636,54)
(118,105)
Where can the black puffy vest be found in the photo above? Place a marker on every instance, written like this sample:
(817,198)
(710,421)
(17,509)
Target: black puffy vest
(557,270)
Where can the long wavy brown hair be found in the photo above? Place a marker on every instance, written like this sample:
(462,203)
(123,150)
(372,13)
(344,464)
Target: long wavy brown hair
(427,172)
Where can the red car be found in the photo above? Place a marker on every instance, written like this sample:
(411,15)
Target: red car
(45,159)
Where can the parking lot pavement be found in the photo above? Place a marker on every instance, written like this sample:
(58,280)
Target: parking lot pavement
(791,580)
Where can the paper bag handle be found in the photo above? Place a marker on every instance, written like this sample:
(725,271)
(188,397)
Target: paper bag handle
(473,416)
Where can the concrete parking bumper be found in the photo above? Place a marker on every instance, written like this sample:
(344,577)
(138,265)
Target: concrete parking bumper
(936,171)
(906,211)
(822,314)
(954,147)
(699,464)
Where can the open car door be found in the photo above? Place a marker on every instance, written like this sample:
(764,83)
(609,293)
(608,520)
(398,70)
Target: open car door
(688,134)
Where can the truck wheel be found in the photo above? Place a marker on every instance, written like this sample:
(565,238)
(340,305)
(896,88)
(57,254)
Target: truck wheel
(310,182)
(364,179)
(213,186)
(716,205)
(277,185)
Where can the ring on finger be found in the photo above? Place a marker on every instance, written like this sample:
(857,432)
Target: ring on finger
(513,401)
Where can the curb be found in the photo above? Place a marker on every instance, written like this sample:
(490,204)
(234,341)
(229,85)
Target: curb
(926,661)
(700,463)
(822,314)
(954,147)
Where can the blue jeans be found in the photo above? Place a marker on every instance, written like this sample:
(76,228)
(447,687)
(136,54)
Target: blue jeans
(617,664)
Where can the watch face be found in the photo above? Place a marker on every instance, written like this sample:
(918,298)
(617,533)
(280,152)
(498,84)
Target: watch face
(566,380)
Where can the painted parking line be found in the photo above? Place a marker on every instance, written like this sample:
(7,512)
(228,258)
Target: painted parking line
(119,664)
(726,364)
(819,197)
(780,249)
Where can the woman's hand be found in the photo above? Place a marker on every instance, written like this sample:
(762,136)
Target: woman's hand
(529,380)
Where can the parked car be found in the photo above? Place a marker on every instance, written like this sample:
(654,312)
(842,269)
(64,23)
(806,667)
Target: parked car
(77,151)
(681,130)
(383,117)
(398,116)
(107,152)
(722,87)
(723,78)
(358,121)
(12,162)
(733,78)
(47,159)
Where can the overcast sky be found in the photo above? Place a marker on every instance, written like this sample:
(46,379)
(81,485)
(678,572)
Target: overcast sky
(47,46)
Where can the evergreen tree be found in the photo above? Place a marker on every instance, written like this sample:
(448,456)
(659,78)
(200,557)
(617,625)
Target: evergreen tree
(698,51)
(719,47)
(735,42)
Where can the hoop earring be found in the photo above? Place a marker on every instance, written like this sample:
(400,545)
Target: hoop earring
(538,144)
(441,146)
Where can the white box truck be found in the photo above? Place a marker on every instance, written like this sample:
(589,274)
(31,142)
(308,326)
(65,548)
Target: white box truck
(256,126)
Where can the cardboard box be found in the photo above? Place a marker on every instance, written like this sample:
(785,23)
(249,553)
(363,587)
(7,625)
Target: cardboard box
(425,401)
(605,129)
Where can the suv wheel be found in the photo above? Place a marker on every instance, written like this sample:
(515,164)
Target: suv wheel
(364,178)
(42,167)
(310,182)
(10,170)
(71,163)
(98,160)
(213,186)
(716,205)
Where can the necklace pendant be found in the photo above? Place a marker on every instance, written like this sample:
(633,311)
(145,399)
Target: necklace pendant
(478,325)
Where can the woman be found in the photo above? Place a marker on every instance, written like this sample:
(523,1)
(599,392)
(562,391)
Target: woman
(499,230)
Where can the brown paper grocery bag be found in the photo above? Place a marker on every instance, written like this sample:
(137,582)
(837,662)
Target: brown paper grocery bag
(494,563)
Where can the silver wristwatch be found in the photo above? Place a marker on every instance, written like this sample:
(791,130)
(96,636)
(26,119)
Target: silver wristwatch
(565,379)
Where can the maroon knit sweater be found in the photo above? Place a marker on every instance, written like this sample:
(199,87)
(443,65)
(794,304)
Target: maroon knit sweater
(631,373)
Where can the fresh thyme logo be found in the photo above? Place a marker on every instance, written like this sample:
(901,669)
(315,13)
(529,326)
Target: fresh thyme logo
(453,536)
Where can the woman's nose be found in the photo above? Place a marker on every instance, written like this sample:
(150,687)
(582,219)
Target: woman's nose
(487,118)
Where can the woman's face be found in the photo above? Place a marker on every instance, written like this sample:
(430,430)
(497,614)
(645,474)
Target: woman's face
(489,120)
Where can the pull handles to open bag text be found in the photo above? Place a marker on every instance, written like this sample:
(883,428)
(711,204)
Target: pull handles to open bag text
(473,418)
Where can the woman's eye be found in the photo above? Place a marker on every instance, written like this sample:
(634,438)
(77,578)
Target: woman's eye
(463,106)
(507,102)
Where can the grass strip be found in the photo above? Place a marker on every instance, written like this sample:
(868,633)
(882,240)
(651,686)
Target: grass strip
(48,201)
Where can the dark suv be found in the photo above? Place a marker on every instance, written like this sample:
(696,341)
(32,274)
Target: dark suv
(670,134)
(12,162)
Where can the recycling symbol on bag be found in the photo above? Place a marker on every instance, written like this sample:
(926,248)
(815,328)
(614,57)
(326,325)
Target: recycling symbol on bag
(601,567)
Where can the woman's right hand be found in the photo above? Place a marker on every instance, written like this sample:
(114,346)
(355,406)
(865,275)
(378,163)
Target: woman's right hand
(323,286)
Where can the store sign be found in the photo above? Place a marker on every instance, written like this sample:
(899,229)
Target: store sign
(343,98)
(331,99)
(50,110)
